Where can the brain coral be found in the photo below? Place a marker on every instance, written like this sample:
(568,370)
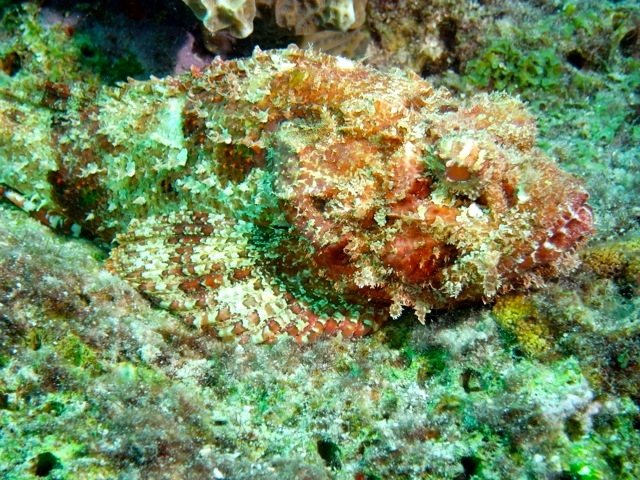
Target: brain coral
(297,17)
(299,193)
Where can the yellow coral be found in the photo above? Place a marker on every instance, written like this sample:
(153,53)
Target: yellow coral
(518,315)
(616,259)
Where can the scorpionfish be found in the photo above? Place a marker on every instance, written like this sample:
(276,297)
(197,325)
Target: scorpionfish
(297,193)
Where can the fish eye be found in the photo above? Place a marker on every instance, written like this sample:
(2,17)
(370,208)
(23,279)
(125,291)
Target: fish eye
(458,162)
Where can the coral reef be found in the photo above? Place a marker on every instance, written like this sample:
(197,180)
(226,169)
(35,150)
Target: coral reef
(96,383)
(297,192)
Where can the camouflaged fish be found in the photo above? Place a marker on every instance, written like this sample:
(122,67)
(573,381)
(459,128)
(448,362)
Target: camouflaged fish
(297,193)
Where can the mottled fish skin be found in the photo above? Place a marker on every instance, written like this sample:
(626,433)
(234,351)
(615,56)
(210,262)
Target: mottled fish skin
(297,193)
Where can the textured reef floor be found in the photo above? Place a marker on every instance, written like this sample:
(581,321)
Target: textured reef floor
(97,383)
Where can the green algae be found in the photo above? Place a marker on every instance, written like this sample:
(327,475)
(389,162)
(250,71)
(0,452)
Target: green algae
(503,66)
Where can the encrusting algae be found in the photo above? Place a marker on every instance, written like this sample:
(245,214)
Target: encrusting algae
(297,193)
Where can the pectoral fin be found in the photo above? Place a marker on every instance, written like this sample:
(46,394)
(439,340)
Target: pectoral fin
(203,268)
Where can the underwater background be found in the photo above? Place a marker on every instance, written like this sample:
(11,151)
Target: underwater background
(95,382)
